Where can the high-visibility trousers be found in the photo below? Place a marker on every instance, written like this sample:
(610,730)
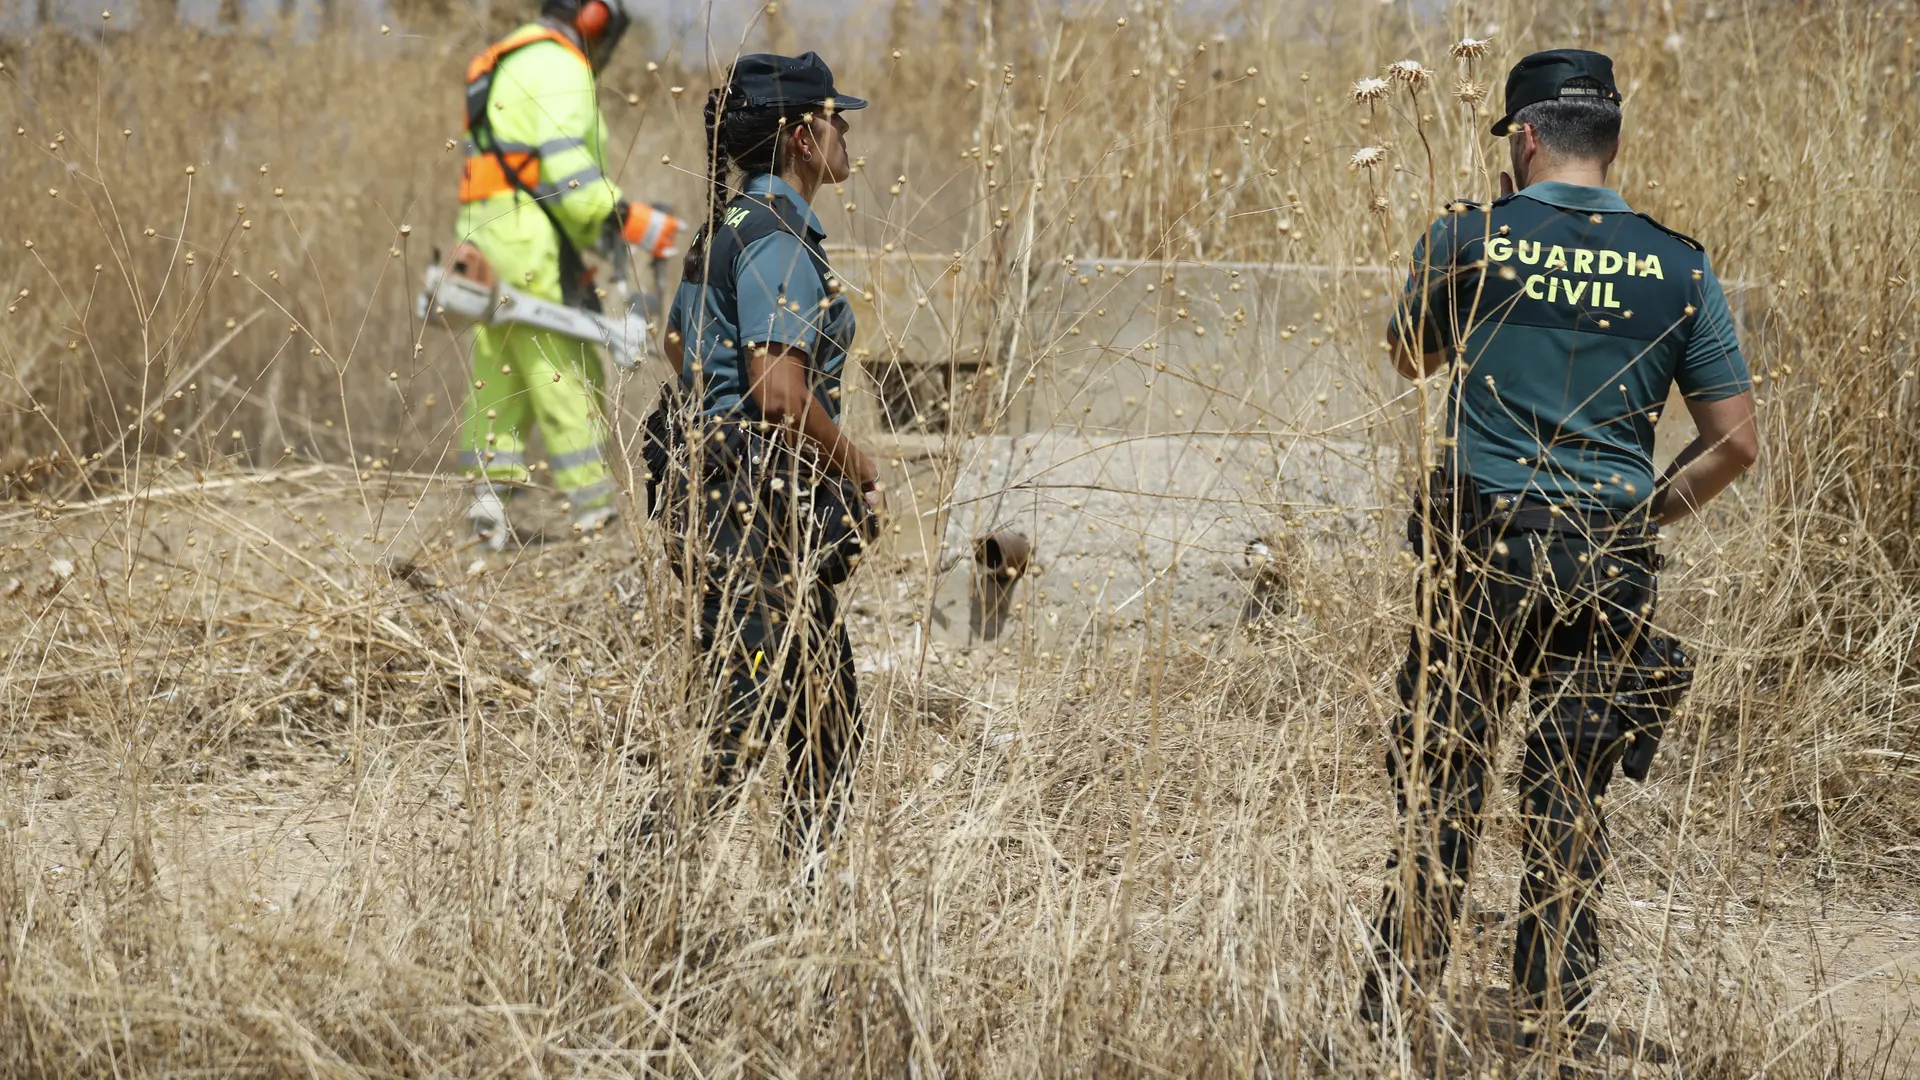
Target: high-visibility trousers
(523,377)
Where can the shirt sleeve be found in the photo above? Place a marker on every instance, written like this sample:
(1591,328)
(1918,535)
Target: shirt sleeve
(1421,300)
(563,118)
(780,295)
(1713,368)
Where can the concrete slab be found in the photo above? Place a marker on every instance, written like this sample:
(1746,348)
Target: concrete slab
(1119,528)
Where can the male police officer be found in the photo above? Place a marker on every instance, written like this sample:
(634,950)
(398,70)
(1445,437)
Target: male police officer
(1565,319)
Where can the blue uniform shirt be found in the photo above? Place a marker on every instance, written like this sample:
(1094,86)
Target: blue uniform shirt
(781,299)
(1559,376)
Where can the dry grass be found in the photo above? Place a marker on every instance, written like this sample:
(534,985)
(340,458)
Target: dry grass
(268,807)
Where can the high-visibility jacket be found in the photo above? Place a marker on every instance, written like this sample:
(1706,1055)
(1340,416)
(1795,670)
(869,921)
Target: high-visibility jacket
(540,136)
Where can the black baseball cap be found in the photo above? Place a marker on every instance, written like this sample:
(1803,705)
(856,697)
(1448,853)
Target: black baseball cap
(1543,76)
(768,80)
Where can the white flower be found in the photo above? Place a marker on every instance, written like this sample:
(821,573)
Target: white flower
(1368,157)
(1470,48)
(1409,72)
(1371,88)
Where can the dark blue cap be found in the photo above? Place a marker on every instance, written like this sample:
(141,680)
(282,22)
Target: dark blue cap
(1543,76)
(767,80)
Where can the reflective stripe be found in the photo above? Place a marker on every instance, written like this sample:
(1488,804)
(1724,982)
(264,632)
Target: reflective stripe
(658,233)
(573,180)
(588,456)
(591,494)
(652,235)
(499,459)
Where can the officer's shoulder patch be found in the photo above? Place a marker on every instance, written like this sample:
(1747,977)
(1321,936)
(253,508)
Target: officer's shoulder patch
(752,217)
(1675,233)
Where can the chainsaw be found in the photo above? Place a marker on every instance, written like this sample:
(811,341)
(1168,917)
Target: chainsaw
(465,292)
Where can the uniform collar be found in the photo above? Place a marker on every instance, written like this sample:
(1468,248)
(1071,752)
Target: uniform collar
(769,184)
(1589,200)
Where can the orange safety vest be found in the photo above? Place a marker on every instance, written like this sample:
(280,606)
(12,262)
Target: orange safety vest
(484,174)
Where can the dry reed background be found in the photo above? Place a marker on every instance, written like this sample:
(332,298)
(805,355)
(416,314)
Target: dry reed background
(271,809)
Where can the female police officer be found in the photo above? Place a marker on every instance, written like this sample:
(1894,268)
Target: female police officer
(767,500)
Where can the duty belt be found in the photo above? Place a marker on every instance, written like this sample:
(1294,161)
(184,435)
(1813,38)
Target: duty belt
(1509,513)
(1482,520)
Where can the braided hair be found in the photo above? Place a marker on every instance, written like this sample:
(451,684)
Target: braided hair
(741,138)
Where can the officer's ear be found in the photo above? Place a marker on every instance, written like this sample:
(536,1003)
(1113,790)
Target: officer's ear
(801,143)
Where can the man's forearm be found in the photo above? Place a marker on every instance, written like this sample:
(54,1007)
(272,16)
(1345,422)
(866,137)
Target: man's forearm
(1726,446)
(1695,477)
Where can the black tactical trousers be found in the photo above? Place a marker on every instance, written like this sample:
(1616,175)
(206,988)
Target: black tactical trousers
(776,663)
(1558,616)
(777,669)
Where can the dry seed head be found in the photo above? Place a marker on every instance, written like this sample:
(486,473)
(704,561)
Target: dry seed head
(1470,48)
(1409,72)
(1368,157)
(1470,92)
(1370,89)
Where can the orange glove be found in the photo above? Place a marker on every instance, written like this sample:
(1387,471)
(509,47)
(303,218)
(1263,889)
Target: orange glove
(654,231)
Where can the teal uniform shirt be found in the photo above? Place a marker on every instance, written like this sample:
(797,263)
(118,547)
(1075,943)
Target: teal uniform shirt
(774,293)
(1577,317)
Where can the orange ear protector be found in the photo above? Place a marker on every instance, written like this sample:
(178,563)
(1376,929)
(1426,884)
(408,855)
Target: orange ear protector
(592,19)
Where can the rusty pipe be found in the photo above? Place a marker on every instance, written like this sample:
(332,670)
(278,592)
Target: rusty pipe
(1003,554)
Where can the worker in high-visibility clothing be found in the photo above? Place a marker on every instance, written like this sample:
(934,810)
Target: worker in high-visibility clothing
(534,193)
